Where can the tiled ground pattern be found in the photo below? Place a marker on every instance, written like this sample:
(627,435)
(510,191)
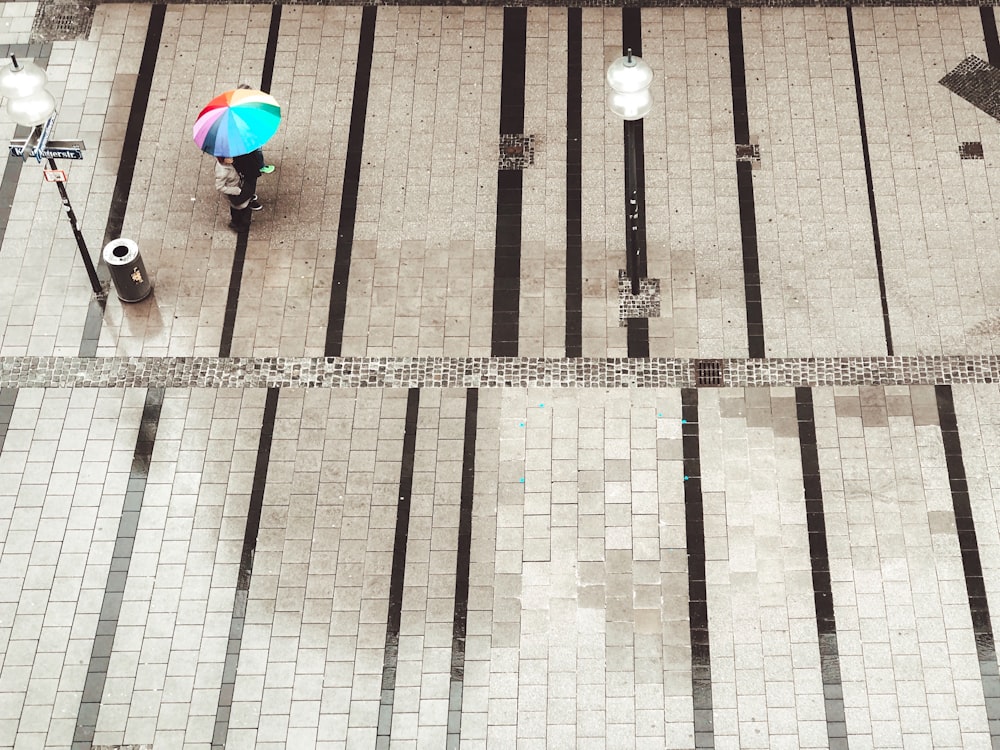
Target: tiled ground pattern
(423,249)
(578,628)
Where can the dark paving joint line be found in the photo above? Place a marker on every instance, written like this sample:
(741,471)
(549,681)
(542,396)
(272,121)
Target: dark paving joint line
(462,566)
(222,712)
(694,514)
(871,184)
(352,180)
(107,625)
(819,557)
(507,267)
(744,181)
(126,170)
(242,238)
(7,398)
(990,35)
(574,184)
(637,328)
(971,561)
(395,613)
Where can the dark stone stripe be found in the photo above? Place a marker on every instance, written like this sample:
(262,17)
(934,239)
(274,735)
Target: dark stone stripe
(574,184)
(395,613)
(114,590)
(637,328)
(694,515)
(7,398)
(222,712)
(352,180)
(819,557)
(233,295)
(462,565)
(240,256)
(990,35)
(971,563)
(507,267)
(271,51)
(871,185)
(126,170)
(744,181)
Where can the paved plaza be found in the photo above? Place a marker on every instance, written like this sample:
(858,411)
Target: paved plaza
(407,464)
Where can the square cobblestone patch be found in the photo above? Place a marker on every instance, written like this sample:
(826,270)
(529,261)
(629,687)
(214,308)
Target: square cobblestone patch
(748,152)
(517,151)
(645,304)
(971,150)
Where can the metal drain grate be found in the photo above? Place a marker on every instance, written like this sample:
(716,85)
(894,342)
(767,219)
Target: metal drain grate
(708,372)
(57,21)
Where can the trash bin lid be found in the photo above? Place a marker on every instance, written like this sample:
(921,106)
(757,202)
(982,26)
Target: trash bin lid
(120,252)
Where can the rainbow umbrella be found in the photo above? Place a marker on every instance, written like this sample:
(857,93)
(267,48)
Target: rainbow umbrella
(237,122)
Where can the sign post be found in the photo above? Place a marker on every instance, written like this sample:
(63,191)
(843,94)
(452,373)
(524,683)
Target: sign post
(30,104)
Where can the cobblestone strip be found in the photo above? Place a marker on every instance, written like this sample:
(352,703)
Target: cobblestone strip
(486,372)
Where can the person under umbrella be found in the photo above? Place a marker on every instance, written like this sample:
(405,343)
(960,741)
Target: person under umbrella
(233,127)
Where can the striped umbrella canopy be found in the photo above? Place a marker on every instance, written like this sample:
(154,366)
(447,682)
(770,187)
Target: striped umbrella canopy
(237,122)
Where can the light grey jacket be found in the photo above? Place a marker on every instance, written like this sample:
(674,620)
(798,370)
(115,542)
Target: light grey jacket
(227,179)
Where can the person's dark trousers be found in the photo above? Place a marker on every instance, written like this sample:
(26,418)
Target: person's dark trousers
(248,165)
(239,217)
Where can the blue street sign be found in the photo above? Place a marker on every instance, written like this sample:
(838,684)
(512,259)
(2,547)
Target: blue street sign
(49,153)
(54,150)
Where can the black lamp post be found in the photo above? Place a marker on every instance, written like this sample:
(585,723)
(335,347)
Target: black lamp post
(30,104)
(629,78)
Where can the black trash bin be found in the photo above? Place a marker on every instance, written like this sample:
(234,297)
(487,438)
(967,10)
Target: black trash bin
(127,270)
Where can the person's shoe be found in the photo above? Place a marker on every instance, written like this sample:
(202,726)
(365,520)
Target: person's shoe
(267,169)
(255,205)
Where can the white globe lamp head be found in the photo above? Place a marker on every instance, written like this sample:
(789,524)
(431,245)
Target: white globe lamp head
(629,78)
(28,101)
